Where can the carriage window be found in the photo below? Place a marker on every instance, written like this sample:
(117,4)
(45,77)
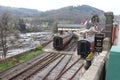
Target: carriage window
(83,47)
(57,42)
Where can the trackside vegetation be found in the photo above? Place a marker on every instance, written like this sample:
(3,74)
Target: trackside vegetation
(15,60)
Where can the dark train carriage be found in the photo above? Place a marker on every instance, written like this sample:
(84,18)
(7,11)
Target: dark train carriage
(83,48)
(67,39)
(59,42)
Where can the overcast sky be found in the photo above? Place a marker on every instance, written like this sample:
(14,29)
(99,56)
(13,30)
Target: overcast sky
(44,5)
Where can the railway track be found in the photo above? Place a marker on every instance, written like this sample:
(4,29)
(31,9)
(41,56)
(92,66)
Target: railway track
(31,69)
(48,63)
(58,69)
(19,66)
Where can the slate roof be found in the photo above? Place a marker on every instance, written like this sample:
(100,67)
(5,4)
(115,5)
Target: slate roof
(71,26)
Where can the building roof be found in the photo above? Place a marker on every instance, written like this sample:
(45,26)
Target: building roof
(71,26)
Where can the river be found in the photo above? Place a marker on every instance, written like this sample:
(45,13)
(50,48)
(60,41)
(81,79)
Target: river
(29,42)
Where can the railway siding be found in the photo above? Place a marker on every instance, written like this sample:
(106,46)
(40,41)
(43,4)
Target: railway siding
(52,68)
(56,71)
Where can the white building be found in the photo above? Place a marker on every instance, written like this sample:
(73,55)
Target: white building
(70,27)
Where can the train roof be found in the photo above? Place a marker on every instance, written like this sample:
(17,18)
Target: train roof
(64,35)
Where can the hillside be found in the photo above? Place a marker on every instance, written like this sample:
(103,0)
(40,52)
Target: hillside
(71,13)
(19,12)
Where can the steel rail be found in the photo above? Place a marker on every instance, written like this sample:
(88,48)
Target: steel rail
(64,67)
(58,77)
(53,68)
(76,71)
(39,67)
(29,66)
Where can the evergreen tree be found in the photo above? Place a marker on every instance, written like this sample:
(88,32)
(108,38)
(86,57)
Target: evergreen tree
(21,26)
(54,27)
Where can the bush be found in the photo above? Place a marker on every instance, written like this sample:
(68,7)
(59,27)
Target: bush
(39,47)
(15,61)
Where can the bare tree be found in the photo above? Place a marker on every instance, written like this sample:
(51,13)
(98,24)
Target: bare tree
(4,31)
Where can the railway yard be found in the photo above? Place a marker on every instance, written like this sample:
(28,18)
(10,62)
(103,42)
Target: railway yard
(63,58)
(63,65)
(67,56)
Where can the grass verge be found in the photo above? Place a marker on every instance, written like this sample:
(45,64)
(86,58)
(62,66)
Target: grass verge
(15,60)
